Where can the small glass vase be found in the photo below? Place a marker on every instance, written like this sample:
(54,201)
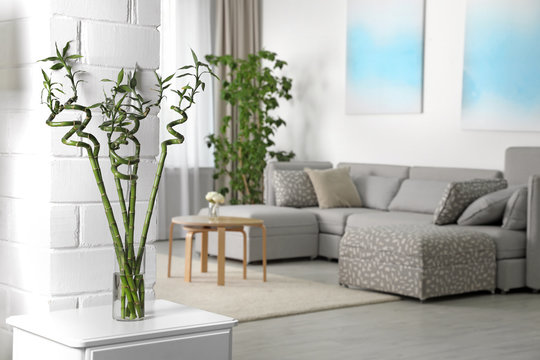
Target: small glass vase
(213,210)
(128,295)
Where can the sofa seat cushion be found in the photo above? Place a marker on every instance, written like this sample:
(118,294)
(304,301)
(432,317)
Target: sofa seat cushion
(278,220)
(374,218)
(422,261)
(511,244)
(332,221)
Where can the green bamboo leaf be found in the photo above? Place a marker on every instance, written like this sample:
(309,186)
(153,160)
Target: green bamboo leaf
(66,48)
(52,58)
(120,76)
(195,60)
(57,51)
(45,76)
(126,88)
(107,80)
(186,67)
(133,82)
(168,78)
(74,56)
(57,66)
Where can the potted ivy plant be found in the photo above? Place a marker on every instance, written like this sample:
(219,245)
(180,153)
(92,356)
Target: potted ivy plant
(253,88)
(123,108)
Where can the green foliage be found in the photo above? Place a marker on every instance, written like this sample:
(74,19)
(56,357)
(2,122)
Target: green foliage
(253,88)
(123,108)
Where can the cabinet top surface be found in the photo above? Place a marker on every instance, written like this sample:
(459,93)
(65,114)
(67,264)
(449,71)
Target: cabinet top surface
(94,326)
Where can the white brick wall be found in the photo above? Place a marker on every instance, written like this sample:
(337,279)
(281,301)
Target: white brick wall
(55,248)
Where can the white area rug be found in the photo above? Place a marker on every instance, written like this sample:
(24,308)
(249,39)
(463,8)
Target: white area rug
(253,299)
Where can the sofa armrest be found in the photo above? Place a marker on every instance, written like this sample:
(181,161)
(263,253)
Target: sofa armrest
(533,233)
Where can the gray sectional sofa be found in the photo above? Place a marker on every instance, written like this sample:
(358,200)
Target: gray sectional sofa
(395,195)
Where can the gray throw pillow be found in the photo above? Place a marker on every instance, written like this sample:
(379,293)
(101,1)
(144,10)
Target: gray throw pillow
(515,214)
(334,188)
(487,209)
(417,195)
(376,192)
(293,188)
(460,194)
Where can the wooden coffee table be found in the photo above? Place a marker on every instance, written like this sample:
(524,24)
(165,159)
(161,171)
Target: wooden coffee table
(221,224)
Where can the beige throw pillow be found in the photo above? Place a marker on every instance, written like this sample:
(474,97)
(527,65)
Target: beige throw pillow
(334,188)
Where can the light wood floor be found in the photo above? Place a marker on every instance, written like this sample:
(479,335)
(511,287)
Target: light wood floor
(477,326)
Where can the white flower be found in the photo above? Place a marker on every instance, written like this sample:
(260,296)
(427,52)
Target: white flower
(210,195)
(218,198)
(215,197)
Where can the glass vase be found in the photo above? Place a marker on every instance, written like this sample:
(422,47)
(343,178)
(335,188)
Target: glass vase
(128,294)
(213,210)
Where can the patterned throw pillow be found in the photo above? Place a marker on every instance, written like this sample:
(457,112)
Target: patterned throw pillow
(293,188)
(460,194)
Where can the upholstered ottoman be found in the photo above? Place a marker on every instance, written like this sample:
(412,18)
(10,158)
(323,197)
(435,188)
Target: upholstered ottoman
(290,233)
(421,261)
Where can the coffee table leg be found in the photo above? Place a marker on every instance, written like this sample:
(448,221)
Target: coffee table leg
(170,249)
(264,251)
(189,245)
(204,252)
(244,261)
(221,256)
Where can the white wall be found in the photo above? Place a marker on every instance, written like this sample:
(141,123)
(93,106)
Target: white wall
(55,249)
(311,36)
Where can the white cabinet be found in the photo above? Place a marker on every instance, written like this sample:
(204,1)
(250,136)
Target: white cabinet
(170,331)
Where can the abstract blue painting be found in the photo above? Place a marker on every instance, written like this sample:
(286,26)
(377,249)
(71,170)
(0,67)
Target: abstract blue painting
(385,52)
(501,73)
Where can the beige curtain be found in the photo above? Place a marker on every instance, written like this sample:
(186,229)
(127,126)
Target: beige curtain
(237,33)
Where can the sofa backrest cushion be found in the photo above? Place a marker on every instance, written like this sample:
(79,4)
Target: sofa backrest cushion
(362,170)
(452,174)
(269,192)
(377,184)
(377,192)
(416,195)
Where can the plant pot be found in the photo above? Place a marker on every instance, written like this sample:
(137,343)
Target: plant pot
(128,295)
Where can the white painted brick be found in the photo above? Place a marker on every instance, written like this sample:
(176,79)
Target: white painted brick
(120,45)
(25,302)
(6,340)
(64,29)
(115,10)
(73,180)
(149,12)
(91,90)
(28,134)
(63,303)
(83,270)
(23,86)
(35,233)
(100,299)
(146,83)
(5,218)
(64,226)
(95,229)
(27,31)
(149,136)
(24,176)
(25,267)
(4,306)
